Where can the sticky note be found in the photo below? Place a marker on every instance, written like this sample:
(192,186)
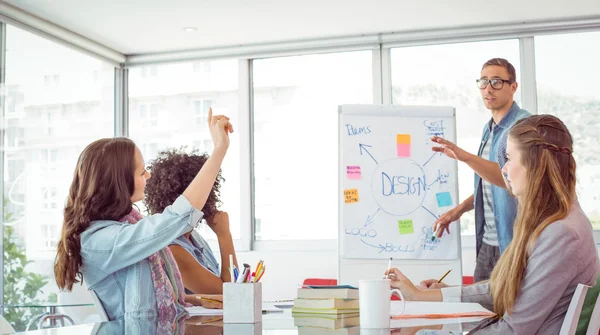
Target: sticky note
(444,199)
(403,150)
(351,195)
(403,139)
(405,227)
(353,172)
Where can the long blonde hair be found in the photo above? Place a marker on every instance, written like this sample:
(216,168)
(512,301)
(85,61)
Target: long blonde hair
(546,148)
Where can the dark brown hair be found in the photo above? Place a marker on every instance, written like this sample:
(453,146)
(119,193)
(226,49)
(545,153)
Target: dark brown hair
(512,73)
(172,171)
(102,187)
(546,148)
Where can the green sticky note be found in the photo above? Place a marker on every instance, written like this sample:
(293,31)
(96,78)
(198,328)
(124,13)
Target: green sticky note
(405,227)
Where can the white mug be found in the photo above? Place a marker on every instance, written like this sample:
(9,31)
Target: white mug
(374,303)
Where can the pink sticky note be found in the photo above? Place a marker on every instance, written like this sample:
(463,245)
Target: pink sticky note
(403,150)
(353,172)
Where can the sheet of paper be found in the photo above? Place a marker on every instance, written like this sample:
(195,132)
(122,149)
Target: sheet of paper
(199,310)
(420,307)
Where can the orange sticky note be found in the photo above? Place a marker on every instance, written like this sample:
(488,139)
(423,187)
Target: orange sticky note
(351,195)
(402,138)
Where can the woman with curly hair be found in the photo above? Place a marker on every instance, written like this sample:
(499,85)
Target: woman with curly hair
(172,170)
(122,256)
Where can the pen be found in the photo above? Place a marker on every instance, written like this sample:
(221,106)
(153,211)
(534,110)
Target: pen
(235,274)
(261,274)
(242,276)
(444,276)
(387,275)
(208,321)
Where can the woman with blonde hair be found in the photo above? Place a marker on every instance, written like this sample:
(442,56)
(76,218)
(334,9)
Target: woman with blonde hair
(552,250)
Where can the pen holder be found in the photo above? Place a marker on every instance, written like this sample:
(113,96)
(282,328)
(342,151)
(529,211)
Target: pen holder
(242,303)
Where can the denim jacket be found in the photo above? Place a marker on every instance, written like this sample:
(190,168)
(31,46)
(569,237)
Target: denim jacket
(115,258)
(504,205)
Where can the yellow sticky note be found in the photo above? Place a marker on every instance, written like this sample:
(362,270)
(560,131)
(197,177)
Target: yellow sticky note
(405,227)
(351,195)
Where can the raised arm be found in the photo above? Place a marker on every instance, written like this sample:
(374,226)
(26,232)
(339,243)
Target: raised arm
(116,246)
(199,189)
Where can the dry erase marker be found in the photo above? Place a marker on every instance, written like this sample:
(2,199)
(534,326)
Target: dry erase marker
(387,276)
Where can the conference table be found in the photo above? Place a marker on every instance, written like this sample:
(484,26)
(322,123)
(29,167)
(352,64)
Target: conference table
(273,323)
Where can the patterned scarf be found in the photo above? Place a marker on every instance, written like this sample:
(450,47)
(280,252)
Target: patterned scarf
(168,285)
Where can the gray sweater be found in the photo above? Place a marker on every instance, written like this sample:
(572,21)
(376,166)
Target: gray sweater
(563,256)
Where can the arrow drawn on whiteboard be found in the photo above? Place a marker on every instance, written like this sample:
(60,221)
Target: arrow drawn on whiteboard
(435,216)
(380,247)
(430,158)
(364,147)
(371,217)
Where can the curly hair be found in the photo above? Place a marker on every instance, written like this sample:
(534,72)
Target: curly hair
(172,171)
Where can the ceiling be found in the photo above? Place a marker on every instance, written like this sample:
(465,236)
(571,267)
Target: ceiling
(151,26)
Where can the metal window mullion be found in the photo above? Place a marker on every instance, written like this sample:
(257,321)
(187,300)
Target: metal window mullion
(528,79)
(246,140)
(121,96)
(2,132)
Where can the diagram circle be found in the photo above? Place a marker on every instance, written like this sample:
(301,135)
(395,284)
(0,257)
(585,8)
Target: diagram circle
(399,186)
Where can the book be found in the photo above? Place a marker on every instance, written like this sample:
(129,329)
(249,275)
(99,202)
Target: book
(325,316)
(324,310)
(325,293)
(329,323)
(326,303)
(325,331)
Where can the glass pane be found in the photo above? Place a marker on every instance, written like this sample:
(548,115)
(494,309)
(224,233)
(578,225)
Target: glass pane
(295,140)
(168,108)
(444,75)
(567,86)
(57,102)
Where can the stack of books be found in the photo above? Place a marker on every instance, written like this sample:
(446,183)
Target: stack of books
(326,310)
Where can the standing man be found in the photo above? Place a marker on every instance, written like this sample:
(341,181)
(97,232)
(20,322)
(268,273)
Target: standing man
(495,208)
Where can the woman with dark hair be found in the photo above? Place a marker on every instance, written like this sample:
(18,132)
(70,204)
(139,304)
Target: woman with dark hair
(552,250)
(172,170)
(122,256)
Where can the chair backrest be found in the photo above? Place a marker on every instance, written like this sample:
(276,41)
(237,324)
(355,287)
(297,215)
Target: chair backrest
(569,325)
(99,306)
(5,327)
(594,325)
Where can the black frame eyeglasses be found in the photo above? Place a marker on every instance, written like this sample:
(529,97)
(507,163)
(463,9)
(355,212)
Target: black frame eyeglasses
(496,83)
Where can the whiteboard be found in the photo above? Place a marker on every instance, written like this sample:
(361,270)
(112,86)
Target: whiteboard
(392,186)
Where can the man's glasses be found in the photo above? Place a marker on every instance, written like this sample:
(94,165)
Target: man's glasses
(497,84)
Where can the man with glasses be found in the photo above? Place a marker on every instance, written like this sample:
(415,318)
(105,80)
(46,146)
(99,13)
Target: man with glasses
(495,208)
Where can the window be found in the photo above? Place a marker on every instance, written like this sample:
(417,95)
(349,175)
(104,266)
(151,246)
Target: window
(445,75)
(148,115)
(52,80)
(295,140)
(39,155)
(567,87)
(201,108)
(181,99)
